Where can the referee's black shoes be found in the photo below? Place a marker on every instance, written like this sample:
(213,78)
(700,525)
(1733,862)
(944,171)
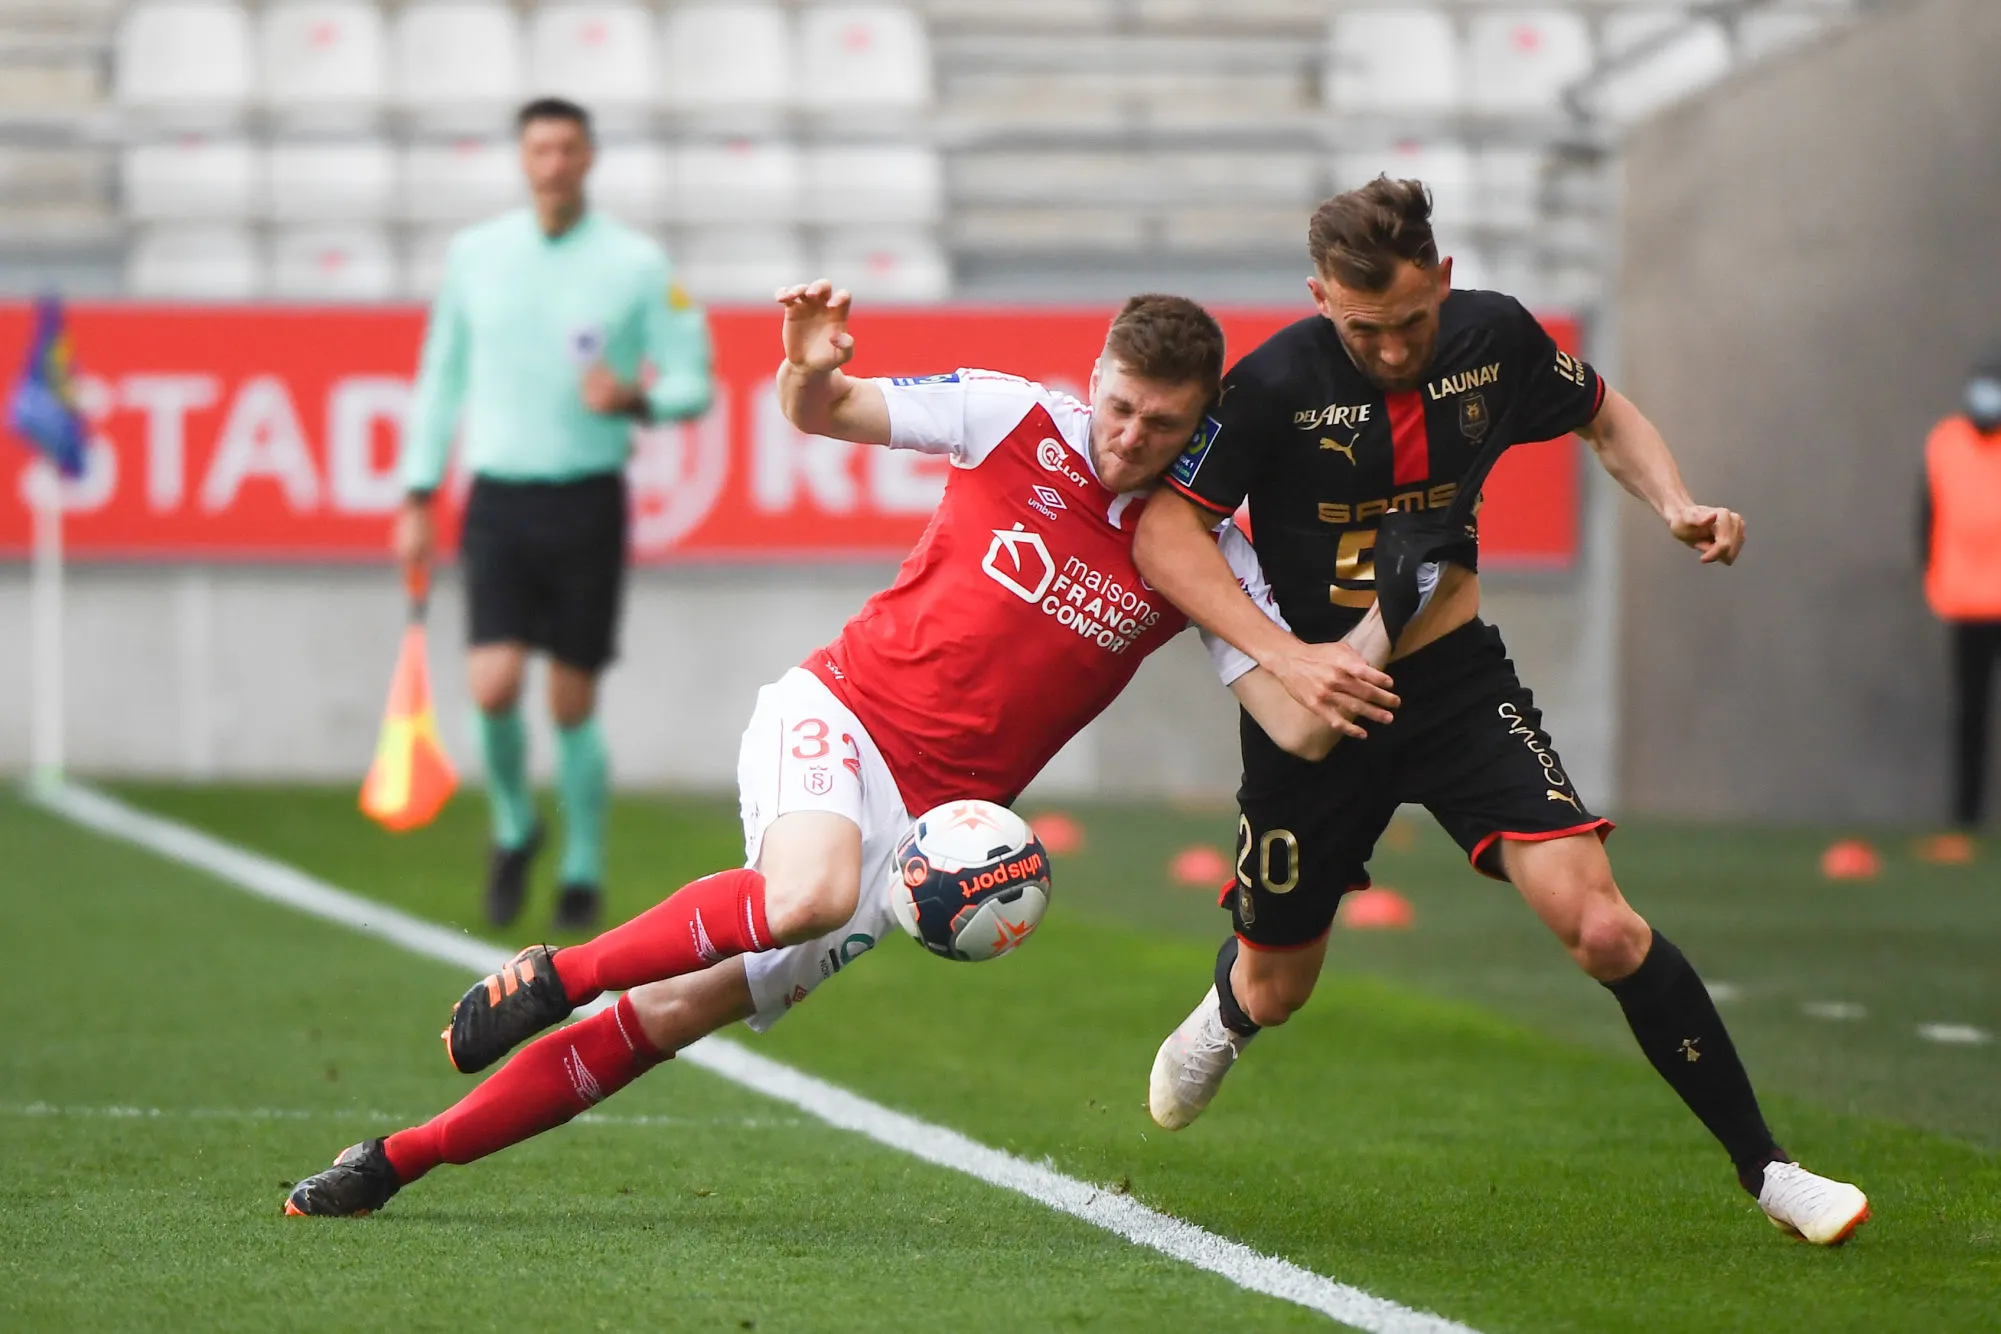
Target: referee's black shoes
(579,908)
(507,878)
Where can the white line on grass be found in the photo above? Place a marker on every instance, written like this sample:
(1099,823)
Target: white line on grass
(1100,1206)
(1955,1035)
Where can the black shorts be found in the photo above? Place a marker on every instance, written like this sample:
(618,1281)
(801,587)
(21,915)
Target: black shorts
(1467,744)
(545,566)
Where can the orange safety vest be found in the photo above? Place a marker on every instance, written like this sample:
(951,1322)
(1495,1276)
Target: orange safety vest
(1963,467)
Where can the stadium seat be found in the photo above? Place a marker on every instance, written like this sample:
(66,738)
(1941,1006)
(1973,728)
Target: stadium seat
(192,178)
(1393,60)
(338,182)
(461,182)
(423,266)
(1507,184)
(883,267)
(1658,62)
(1763,33)
(728,58)
(324,58)
(1521,61)
(1446,168)
(332,264)
(458,63)
(742,180)
(194,263)
(633,182)
(864,56)
(741,265)
(874,183)
(601,55)
(186,62)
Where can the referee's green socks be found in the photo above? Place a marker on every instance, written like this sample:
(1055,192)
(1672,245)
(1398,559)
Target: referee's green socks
(582,784)
(503,749)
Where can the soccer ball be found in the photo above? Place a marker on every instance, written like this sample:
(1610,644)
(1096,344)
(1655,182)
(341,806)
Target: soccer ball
(970,881)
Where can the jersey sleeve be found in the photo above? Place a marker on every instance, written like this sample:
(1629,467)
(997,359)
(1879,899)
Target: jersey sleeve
(1231,662)
(441,384)
(1220,463)
(1560,394)
(965,414)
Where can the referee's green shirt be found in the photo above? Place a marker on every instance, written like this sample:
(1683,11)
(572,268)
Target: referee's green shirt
(521,317)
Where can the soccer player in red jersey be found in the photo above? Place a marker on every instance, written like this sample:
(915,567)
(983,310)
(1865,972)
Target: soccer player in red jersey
(1015,621)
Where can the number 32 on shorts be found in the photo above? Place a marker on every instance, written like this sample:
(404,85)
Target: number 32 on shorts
(1268,848)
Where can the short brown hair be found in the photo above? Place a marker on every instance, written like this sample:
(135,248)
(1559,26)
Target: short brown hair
(1358,238)
(1168,338)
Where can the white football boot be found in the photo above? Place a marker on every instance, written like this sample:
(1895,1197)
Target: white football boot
(1190,1065)
(1812,1208)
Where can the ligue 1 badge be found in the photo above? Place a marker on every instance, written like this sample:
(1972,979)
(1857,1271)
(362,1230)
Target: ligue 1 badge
(586,345)
(1473,419)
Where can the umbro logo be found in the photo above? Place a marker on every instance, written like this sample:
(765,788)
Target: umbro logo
(1046,501)
(705,948)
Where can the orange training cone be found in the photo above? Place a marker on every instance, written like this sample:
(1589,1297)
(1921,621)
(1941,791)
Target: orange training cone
(411,778)
(1379,909)
(1850,859)
(1198,867)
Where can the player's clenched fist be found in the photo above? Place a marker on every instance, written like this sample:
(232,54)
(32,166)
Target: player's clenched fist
(816,327)
(1716,534)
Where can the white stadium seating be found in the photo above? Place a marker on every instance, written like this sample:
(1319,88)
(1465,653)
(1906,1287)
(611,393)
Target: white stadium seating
(740,264)
(892,183)
(423,267)
(331,182)
(633,182)
(735,57)
(1660,62)
(461,181)
(192,178)
(598,54)
(195,263)
(1521,61)
(742,180)
(1393,60)
(1446,167)
(1507,185)
(322,58)
(1761,34)
(458,63)
(332,264)
(863,56)
(184,62)
(881,267)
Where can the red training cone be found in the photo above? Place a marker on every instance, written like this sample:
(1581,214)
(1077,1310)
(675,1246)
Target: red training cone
(1198,867)
(1379,909)
(1850,859)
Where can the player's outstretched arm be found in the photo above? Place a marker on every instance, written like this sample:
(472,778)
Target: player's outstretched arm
(1293,727)
(1175,550)
(1633,451)
(814,393)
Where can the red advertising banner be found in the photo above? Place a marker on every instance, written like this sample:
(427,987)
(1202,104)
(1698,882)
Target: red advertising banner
(271,433)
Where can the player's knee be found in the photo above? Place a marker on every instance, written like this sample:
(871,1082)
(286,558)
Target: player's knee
(668,1014)
(1272,997)
(1611,941)
(800,907)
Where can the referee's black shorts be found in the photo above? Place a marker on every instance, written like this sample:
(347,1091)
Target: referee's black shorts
(1468,744)
(545,566)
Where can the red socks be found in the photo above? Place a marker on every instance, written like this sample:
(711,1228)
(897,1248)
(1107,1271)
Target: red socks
(701,923)
(552,1079)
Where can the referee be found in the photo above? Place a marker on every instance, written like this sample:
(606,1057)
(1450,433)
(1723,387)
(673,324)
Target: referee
(555,331)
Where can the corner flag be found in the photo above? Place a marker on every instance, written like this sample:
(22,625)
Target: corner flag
(44,411)
(411,778)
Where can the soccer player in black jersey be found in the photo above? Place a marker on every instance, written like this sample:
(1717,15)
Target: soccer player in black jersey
(1360,436)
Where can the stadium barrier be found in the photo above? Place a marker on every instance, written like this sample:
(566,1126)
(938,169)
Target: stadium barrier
(270,433)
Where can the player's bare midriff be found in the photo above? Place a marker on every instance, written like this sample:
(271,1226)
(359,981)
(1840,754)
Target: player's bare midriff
(1456,602)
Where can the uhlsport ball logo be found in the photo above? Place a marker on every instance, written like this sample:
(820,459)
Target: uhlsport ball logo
(969,881)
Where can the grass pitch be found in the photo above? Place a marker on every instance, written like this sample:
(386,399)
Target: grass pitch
(1458,1122)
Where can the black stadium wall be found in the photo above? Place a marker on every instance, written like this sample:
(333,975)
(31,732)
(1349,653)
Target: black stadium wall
(1812,260)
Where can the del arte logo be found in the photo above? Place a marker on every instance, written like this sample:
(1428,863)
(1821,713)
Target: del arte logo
(1019,561)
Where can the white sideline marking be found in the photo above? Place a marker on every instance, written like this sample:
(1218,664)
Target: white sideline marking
(1722,993)
(1836,1010)
(1959,1035)
(1116,1213)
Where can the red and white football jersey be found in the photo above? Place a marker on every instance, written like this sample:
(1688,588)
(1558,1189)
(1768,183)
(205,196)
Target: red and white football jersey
(1020,615)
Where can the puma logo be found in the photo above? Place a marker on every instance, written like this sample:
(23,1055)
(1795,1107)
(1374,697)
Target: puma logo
(1554,795)
(1347,451)
(1688,1050)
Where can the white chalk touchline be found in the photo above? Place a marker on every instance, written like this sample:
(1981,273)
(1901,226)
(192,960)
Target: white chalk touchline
(1955,1035)
(1101,1206)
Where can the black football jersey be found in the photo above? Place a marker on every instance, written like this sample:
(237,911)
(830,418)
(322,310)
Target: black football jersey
(1323,453)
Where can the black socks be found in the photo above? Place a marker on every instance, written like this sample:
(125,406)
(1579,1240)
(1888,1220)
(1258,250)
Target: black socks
(1678,1028)
(1234,1017)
